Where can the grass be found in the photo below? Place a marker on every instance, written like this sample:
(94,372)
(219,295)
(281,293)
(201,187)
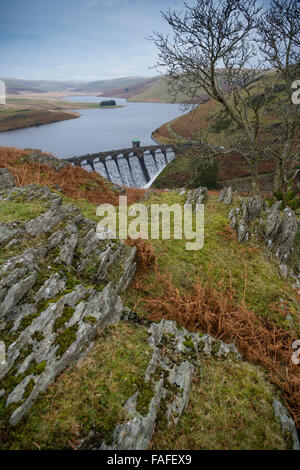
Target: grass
(88,398)
(75,182)
(188,125)
(230,407)
(157,92)
(231,402)
(88,209)
(210,123)
(111,107)
(37,103)
(246,300)
(251,271)
(210,118)
(11,210)
(89,188)
(20,119)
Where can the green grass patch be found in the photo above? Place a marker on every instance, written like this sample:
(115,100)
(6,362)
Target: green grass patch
(230,407)
(66,315)
(88,209)
(88,398)
(22,211)
(247,268)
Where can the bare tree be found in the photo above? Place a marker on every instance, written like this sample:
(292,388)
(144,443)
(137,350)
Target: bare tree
(221,48)
(279,30)
(213,43)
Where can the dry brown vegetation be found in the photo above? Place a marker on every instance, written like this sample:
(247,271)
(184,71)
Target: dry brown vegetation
(134,195)
(145,256)
(210,307)
(75,182)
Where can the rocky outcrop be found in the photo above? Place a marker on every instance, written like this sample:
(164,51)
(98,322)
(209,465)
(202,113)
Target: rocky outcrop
(226,196)
(168,381)
(176,353)
(49,160)
(287,423)
(181,191)
(278,228)
(29,193)
(58,289)
(7,180)
(242,217)
(197,196)
(280,232)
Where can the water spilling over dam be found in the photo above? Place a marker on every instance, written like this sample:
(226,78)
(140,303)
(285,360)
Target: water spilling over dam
(130,172)
(133,167)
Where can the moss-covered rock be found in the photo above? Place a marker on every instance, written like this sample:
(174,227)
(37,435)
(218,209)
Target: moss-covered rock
(51,302)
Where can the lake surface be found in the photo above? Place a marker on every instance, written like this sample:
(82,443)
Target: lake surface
(96,130)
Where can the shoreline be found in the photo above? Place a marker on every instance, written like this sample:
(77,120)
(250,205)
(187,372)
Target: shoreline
(34,120)
(25,110)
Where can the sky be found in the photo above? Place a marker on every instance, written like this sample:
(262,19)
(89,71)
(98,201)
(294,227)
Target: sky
(80,39)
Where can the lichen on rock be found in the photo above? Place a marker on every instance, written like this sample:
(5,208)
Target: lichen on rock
(197,196)
(7,180)
(167,384)
(277,228)
(49,292)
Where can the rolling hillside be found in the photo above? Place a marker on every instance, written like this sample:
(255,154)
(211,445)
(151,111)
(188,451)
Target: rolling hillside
(209,123)
(105,85)
(15,85)
(150,90)
(137,89)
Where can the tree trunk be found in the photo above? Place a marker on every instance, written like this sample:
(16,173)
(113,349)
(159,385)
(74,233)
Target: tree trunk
(255,178)
(278,184)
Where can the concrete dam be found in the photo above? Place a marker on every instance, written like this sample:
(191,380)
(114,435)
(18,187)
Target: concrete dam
(134,167)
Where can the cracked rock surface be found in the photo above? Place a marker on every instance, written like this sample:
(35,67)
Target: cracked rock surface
(287,423)
(168,381)
(59,285)
(197,196)
(7,180)
(278,228)
(49,160)
(226,196)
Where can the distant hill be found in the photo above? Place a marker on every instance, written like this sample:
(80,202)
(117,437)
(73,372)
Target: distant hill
(153,89)
(209,122)
(130,90)
(104,85)
(141,89)
(150,90)
(15,85)
(157,91)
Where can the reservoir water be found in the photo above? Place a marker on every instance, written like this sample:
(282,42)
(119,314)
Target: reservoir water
(100,130)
